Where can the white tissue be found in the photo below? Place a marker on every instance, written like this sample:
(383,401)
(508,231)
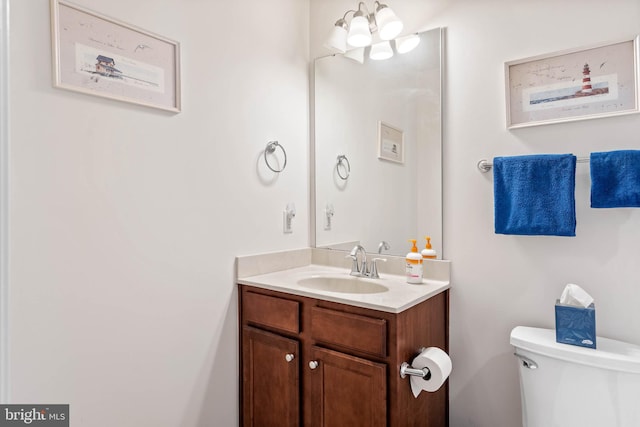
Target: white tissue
(575,295)
(439,365)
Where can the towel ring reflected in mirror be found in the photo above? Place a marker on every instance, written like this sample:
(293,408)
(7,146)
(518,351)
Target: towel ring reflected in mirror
(344,162)
(270,149)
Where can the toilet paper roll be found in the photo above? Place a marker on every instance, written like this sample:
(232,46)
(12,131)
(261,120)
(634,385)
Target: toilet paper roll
(439,364)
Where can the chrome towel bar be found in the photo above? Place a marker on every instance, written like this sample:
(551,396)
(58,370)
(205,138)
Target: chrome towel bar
(485,166)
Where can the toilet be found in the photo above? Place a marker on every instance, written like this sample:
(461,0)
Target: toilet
(567,386)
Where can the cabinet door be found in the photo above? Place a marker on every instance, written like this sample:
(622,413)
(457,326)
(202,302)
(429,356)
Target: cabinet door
(270,386)
(347,390)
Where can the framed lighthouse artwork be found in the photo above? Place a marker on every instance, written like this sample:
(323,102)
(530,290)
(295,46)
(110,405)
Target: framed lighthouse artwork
(586,83)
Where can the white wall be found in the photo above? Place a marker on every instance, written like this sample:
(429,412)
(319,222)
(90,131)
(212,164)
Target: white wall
(125,220)
(503,281)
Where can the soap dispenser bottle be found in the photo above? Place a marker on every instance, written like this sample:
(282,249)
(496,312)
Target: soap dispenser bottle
(428,252)
(414,264)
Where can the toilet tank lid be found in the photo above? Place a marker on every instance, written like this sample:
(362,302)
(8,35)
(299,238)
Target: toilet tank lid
(610,354)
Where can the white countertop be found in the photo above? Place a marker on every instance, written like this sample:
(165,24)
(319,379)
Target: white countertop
(399,296)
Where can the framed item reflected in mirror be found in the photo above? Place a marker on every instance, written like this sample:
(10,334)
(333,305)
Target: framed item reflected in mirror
(390,143)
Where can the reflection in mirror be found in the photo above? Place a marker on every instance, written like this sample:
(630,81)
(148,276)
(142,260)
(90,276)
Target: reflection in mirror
(385,118)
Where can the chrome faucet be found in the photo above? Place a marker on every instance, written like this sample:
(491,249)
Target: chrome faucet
(373,269)
(361,269)
(383,245)
(358,269)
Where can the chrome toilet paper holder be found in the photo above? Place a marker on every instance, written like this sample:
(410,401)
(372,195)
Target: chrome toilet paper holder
(407,369)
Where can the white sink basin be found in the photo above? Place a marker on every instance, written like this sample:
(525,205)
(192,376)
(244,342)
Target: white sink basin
(347,285)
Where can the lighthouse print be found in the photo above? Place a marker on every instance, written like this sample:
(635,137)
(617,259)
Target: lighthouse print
(573,90)
(586,80)
(588,88)
(571,85)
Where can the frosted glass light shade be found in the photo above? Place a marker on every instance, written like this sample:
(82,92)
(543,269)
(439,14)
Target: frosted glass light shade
(380,51)
(337,40)
(359,33)
(389,25)
(356,54)
(407,43)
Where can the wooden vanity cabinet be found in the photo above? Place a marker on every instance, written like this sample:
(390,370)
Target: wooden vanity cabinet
(270,374)
(347,390)
(314,363)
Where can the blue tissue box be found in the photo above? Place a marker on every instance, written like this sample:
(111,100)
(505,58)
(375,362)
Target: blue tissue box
(576,325)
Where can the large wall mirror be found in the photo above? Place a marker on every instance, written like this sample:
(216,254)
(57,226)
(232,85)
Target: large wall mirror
(378,149)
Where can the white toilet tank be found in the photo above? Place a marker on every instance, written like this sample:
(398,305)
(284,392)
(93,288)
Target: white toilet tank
(567,386)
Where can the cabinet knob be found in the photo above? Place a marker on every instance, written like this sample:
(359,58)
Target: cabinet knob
(313,364)
(289,357)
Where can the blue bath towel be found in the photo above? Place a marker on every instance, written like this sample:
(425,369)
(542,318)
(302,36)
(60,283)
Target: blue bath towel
(615,179)
(535,195)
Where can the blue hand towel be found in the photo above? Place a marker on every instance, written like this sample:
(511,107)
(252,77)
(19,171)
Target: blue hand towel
(615,179)
(535,195)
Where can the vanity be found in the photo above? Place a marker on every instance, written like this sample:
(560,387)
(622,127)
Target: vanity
(320,347)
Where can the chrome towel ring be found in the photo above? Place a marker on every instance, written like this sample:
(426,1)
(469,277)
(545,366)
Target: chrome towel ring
(342,158)
(270,149)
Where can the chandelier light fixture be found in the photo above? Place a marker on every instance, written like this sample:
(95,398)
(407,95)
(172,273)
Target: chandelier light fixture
(359,32)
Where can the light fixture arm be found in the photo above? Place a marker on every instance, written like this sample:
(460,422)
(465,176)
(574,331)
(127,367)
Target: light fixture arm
(371,16)
(344,17)
(342,22)
(360,5)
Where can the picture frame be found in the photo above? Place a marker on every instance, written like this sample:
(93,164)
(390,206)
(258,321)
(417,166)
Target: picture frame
(577,84)
(98,55)
(390,143)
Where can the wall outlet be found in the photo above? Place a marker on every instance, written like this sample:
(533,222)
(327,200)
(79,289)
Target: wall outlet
(328,216)
(287,218)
